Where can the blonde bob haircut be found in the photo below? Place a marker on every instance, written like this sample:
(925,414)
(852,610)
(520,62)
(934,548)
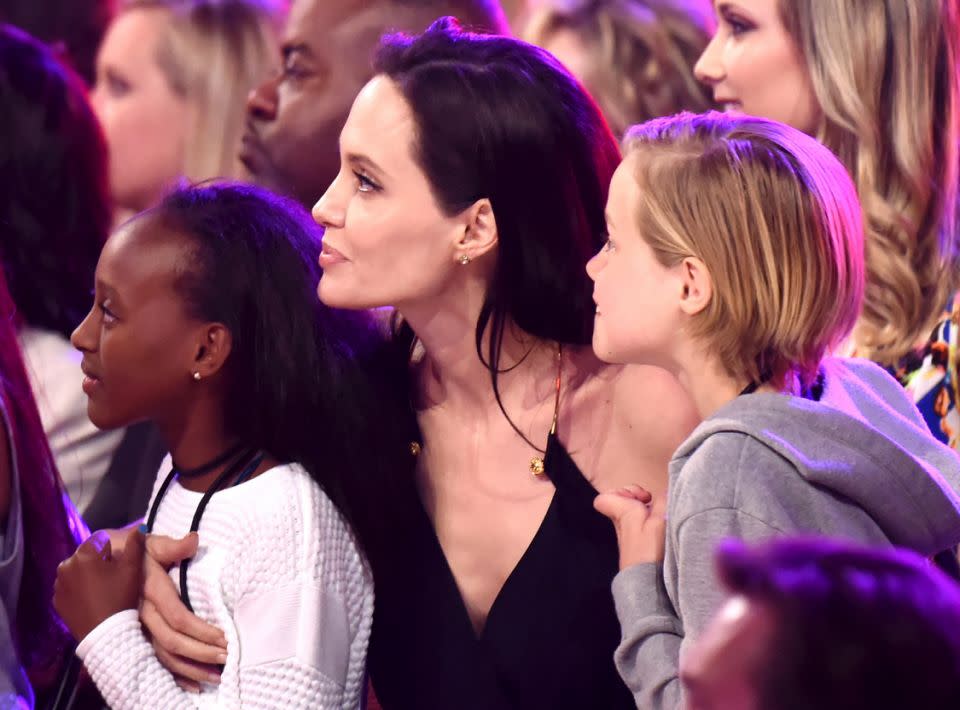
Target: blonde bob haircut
(886,74)
(639,53)
(213,53)
(774,217)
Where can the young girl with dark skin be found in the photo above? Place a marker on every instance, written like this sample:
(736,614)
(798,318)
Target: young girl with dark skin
(470,196)
(205,322)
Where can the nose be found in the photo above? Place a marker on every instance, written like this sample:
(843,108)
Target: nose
(596,264)
(83,337)
(709,67)
(96,100)
(330,211)
(262,100)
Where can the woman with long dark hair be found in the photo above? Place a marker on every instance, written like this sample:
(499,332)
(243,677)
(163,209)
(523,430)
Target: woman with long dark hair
(474,172)
(35,515)
(55,214)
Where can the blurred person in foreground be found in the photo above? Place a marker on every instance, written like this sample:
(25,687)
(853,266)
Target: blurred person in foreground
(816,623)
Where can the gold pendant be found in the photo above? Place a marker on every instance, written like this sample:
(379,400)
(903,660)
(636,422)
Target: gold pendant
(536,466)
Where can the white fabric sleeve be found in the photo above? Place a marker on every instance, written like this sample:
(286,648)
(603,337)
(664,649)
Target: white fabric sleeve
(294,650)
(121,662)
(295,644)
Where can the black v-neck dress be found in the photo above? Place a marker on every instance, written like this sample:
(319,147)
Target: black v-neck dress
(550,634)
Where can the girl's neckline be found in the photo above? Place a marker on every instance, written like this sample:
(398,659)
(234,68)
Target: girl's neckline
(228,492)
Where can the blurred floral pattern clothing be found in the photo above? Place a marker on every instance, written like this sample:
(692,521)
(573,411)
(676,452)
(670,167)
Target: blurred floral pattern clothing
(930,376)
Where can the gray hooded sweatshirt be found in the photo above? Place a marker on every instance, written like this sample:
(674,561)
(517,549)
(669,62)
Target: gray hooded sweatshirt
(858,464)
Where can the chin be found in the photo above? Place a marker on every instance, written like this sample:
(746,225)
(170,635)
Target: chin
(102,420)
(603,349)
(334,297)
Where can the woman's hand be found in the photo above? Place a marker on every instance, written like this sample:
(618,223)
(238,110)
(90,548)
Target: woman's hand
(640,523)
(95,583)
(191,649)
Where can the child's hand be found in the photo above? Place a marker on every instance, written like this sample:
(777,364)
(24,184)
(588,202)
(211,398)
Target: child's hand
(94,583)
(639,521)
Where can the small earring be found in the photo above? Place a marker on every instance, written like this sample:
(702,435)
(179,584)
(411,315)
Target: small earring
(196,376)
(464,259)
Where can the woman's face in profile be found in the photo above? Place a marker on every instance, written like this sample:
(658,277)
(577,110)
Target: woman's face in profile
(386,240)
(753,65)
(144,121)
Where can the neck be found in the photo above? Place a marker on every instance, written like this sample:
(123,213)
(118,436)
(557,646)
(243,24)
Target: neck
(195,438)
(452,371)
(709,385)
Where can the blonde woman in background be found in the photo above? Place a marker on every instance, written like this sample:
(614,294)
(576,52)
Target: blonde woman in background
(172,82)
(635,57)
(878,82)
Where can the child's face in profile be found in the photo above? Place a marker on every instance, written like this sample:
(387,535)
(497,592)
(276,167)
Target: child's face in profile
(138,342)
(637,297)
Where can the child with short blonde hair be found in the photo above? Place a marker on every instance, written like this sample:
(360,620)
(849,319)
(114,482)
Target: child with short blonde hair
(735,261)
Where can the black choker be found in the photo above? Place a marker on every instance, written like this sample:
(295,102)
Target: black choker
(209,466)
(239,470)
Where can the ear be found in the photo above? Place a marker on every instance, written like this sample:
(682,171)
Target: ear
(479,233)
(213,347)
(697,286)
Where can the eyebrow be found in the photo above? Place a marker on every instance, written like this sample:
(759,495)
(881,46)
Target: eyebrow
(724,6)
(106,289)
(364,161)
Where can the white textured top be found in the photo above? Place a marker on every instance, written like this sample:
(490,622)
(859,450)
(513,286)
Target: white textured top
(82,451)
(278,570)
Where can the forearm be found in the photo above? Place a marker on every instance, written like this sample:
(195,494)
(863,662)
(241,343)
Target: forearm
(651,634)
(121,662)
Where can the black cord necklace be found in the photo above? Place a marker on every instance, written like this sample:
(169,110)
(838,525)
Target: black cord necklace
(244,464)
(210,465)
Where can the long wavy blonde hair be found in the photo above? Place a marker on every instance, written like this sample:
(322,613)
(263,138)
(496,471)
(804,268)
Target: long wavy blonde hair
(213,52)
(887,76)
(639,53)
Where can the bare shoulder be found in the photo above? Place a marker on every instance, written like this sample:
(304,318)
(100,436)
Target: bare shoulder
(641,404)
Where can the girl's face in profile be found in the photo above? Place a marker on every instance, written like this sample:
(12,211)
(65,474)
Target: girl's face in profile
(637,297)
(386,241)
(754,66)
(138,342)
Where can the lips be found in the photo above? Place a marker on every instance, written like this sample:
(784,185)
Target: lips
(729,104)
(251,151)
(330,256)
(91,381)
